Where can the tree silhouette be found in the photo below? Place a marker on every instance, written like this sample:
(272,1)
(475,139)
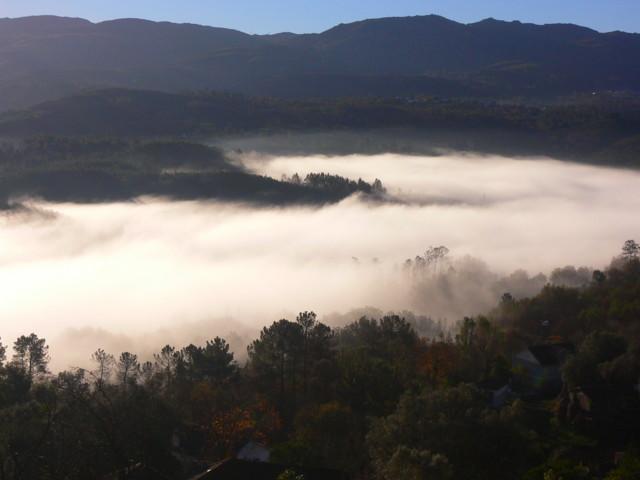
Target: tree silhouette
(3,354)
(128,368)
(104,366)
(31,355)
(167,363)
(630,249)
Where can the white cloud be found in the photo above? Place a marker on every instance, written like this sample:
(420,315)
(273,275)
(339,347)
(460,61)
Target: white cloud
(159,271)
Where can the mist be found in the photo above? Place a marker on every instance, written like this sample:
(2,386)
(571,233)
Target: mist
(134,276)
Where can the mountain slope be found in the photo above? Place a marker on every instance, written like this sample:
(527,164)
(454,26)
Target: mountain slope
(560,56)
(44,58)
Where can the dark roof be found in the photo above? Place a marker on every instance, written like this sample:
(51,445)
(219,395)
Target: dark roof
(551,354)
(234,469)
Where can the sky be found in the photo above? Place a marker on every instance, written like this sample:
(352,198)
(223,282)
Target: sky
(300,16)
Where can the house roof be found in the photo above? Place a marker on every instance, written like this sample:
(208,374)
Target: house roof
(234,469)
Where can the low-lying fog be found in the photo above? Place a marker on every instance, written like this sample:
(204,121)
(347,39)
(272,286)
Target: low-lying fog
(138,275)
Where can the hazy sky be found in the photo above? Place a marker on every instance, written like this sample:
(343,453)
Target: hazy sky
(268,16)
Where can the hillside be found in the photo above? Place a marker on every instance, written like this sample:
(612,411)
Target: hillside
(45,58)
(604,131)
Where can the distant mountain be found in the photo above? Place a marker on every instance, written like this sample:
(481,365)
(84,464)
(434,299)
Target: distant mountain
(48,57)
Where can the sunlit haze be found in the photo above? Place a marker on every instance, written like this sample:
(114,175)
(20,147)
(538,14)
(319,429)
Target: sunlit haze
(163,270)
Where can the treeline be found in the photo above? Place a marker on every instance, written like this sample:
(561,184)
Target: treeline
(372,398)
(338,185)
(604,131)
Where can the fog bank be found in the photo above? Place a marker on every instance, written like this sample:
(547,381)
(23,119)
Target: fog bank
(138,275)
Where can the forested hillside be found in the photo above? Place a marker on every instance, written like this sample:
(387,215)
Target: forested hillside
(599,130)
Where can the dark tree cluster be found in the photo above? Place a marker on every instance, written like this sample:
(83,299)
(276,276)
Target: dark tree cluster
(337,185)
(90,169)
(605,130)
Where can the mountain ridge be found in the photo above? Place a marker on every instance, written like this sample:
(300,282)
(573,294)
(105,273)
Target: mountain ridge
(364,20)
(48,57)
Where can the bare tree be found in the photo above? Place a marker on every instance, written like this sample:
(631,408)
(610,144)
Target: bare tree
(435,257)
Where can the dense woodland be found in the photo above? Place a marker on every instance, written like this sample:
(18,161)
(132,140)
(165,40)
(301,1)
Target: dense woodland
(109,169)
(604,128)
(372,398)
